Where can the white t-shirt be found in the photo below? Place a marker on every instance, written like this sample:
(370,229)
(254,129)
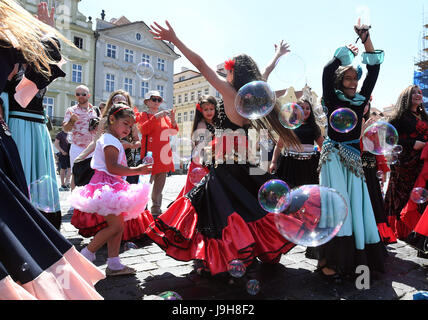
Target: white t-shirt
(98,161)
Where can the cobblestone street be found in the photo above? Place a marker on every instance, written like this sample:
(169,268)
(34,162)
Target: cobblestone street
(293,279)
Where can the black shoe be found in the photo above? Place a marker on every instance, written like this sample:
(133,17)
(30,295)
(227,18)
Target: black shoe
(333,278)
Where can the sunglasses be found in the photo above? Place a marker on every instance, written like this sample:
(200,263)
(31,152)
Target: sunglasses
(80,94)
(156,99)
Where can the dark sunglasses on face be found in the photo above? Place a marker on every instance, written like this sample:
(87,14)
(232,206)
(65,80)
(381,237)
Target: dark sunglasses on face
(156,99)
(80,94)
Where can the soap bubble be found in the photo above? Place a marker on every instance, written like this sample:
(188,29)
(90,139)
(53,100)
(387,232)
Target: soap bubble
(343,120)
(380,138)
(43,195)
(273,196)
(145,71)
(314,216)
(291,115)
(236,268)
(255,100)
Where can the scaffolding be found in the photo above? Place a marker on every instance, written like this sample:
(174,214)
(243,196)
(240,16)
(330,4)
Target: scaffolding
(420,77)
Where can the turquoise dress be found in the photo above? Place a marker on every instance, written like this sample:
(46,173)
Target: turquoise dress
(358,241)
(31,135)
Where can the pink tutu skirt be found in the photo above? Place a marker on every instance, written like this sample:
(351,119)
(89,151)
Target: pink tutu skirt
(106,194)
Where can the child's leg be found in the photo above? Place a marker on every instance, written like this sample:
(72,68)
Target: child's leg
(113,230)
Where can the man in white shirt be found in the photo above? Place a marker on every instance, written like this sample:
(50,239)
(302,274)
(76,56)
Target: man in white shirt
(76,121)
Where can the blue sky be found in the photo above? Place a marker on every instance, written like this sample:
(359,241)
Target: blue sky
(220,29)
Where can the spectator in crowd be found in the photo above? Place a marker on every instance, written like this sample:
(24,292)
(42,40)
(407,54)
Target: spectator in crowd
(77,121)
(63,146)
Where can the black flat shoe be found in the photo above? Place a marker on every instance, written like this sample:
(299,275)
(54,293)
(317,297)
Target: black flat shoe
(333,278)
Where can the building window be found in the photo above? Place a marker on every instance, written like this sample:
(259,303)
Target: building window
(186,97)
(78,42)
(111,51)
(129,55)
(182,78)
(161,64)
(145,58)
(207,91)
(217,94)
(77,73)
(128,86)
(138,36)
(199,94)
(109,82)
(184,116)
(192,96)
(161,91)
(144,88)
(179,118)
(192,115)
(49,104)
(179,98)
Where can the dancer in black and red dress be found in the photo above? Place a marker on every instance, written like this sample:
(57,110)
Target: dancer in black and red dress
(411,122)
(220,220)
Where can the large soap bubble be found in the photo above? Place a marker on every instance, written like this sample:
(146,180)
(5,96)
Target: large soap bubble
(314,216)
(255,100)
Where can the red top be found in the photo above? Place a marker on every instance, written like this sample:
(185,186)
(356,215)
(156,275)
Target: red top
(157,133)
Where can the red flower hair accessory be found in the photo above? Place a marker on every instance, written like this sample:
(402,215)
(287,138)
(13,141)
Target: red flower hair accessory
(229,65)
(198,107)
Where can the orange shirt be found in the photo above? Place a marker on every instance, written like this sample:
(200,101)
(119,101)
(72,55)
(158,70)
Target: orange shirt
(157,132)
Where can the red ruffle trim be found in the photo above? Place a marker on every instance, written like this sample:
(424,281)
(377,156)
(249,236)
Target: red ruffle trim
(400,229)
(386,233)
(189,186)
(410,215)
(422,225)
(176,232)
(89,224)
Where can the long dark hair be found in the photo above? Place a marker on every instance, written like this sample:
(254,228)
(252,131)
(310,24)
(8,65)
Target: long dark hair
(402,107)
(198,115)
(311,119)
(245,71)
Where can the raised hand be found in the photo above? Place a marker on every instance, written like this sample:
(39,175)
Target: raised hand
(353,48)
(282,49)
(44,15)
(161,33)
(362,30)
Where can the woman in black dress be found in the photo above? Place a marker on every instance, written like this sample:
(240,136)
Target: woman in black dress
(220,219)
(297,167)
(411,122)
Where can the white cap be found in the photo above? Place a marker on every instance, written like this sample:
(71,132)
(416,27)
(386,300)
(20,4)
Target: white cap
(152,93)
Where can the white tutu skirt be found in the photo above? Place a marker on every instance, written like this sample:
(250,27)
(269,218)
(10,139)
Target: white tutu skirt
(106,195)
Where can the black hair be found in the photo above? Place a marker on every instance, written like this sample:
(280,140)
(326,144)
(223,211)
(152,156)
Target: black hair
(198,115)
(245,71)
(118,111)
(340,74)
(402,107)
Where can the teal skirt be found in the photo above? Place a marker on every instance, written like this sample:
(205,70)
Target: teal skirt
(358,241)
(35,149)
(360,222)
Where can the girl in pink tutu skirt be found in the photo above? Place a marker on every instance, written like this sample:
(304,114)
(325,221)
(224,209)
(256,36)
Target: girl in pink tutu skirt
(108,194)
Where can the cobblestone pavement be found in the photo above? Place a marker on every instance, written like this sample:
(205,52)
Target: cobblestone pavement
(294,278)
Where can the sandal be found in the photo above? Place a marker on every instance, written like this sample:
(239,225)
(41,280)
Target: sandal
(121,272)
